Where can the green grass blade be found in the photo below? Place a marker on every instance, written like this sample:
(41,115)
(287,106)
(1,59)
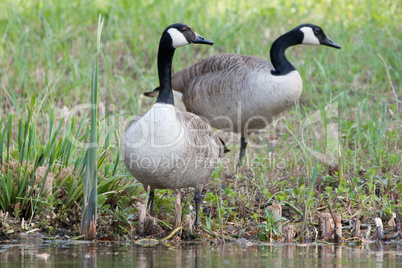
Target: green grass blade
(308,196)
(5,133)
(89,212)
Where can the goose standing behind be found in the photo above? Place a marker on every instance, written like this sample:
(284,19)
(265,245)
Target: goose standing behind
(241,93)
(169,149)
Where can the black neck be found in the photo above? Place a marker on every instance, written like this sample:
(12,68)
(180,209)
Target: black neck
(277,53)
(165,57)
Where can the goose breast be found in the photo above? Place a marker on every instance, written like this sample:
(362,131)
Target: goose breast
(184,158)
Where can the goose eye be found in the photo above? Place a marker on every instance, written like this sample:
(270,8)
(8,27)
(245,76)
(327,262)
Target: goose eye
(317,30)
(183,29)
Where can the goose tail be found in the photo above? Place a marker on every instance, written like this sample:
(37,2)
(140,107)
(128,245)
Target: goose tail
(152,94)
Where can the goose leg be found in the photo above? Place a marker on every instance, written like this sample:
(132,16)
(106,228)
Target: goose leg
(243,145)
(197,199)
(150,202)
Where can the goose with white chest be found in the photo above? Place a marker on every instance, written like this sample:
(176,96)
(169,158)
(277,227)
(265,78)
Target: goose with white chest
(241,93)
(166,148)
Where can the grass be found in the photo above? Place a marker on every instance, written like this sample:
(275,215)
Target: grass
(90,196)
(46,55)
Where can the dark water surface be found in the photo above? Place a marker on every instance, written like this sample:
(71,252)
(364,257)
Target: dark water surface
(92,254)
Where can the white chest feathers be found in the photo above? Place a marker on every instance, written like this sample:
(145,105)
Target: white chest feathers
(278,91)
(159,128)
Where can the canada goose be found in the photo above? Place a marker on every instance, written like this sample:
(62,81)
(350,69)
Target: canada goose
(241,93)
(169,149)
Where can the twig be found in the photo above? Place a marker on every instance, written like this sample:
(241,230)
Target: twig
(78,237)
(5,234)
(209,231)
(164,223)
(172,233)
(356,214)
(295,209)
(329,235)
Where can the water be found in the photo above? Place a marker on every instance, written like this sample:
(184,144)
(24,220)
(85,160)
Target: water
(196,254)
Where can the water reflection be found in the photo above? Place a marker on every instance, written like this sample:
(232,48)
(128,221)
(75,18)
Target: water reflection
(202,254)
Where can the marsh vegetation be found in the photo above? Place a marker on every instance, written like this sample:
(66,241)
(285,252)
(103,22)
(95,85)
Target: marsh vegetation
(338,149)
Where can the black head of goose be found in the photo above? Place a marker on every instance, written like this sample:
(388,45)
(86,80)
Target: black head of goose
(242,93)
(305,34)
(165,148)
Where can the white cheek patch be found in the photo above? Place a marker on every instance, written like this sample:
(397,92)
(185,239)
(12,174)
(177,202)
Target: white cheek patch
(309,37)
(178,38)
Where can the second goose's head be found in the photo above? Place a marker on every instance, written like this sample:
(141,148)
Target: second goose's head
(307,34)
(180,34)
(311,34)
